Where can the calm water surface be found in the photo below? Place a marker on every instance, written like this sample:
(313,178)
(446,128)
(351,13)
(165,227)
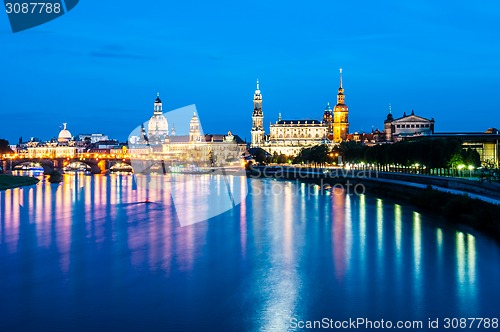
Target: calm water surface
(86,255)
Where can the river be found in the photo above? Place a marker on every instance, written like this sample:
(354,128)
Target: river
(89,255)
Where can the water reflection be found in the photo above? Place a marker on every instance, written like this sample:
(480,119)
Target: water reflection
(286,250)
(466,269)
(418,289)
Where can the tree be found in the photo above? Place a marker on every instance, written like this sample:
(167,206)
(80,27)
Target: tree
(260,155)
(4,147)
(281,159)
(471,157)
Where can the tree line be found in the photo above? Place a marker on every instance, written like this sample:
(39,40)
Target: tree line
(432,152)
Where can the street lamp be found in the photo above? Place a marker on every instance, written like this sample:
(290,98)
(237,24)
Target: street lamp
(460,168)
(470,170)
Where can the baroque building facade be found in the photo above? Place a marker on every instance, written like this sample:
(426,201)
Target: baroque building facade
(157,124)
(406,126)
(193,147)
(288,137)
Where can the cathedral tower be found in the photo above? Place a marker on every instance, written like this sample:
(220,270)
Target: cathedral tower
(388,130)
(158,124)
(257,119)
(340,116)
(328,120)
(194,129)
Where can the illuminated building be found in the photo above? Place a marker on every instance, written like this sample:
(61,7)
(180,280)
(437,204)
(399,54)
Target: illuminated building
(51,150)
(413,127)
(158,124)
(340,116)
(64,135)
(406,126)
(195,147)
(257,119)
(93,138)
(63,147)
(288,137)
(485,143)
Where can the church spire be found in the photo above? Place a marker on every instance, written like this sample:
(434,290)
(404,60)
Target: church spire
(257,91)
(257,118)
(158,107)
(340,95)
(341,79)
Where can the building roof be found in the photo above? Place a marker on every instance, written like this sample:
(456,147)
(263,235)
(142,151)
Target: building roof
(469,135)
(301,122)
(158,100)
(360,136)
(412,118)
(220,138)
(179,139)
(64,134)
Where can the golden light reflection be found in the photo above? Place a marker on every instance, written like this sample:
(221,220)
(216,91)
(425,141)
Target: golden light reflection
(338,231)
(417,258)
(280,283)
(362,228)
(398,227)
(439,238)
(10,218)
(398,230)
(380,226)
(417,242)
(243,218)
(348,231)
(471,258)
(288,223)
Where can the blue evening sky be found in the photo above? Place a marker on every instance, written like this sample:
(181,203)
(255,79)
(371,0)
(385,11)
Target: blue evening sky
(98,67)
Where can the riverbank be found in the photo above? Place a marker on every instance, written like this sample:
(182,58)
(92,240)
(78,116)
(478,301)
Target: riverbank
(12,181)
(458,201)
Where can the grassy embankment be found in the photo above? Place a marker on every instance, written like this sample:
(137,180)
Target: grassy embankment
(10,181)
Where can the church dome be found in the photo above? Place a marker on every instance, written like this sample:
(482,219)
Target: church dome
(158,125)
(341,108)
(389,118)
(64,135)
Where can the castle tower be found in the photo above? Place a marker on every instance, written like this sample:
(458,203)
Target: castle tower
(388,126)
(194,129)
(158,105)
(328,119)
(158,124)
(257,119)
(340,116)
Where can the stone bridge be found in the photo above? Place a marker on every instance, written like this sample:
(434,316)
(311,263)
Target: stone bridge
(97,166)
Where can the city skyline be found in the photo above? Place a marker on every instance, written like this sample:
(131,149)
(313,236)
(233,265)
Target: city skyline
(100,75)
